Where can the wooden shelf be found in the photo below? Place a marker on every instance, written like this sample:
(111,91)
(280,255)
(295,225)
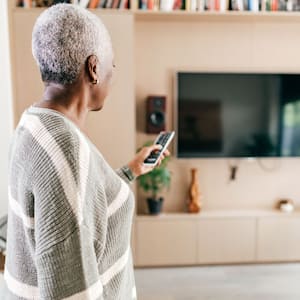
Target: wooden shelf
(181,15)
(219,214)
(95,10)
(217,16)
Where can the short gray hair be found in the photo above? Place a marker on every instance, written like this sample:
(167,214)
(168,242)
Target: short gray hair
(63,37)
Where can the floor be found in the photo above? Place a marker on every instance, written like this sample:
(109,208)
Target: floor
(250,282)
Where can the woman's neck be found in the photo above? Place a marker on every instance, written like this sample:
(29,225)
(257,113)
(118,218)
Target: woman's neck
(72,101)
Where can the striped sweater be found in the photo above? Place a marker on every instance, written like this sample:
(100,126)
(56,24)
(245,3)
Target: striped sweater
(70,215)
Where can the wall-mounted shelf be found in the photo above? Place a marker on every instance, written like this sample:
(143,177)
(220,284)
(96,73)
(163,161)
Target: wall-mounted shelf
(246,16)
(103,11)
(146,15)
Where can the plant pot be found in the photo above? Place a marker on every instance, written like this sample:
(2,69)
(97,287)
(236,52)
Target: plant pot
(154,205)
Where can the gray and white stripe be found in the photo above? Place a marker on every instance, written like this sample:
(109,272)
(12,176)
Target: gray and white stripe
(48,143)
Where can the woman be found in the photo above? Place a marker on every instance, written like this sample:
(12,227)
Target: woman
(70,214)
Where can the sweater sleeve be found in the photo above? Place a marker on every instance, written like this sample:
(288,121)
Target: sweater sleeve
(123,173)
(67,201)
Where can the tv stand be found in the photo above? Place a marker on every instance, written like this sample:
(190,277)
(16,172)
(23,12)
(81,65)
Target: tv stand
(217,237)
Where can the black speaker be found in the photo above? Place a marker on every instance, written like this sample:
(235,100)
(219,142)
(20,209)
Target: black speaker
(156,114)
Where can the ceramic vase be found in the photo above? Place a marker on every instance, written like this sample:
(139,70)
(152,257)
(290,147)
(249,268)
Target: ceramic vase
(194,205)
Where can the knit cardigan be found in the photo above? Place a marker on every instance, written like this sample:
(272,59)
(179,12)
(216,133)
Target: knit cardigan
(70,215)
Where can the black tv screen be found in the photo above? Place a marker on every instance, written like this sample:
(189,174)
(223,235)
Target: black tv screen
(237,115)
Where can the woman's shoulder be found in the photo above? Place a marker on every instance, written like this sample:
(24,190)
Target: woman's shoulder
(47,124)
(41,120)
(41,131)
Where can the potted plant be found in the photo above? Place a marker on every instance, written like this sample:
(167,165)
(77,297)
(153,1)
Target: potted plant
(155,182)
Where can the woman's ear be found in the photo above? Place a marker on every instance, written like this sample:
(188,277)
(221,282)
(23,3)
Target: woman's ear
(92,63)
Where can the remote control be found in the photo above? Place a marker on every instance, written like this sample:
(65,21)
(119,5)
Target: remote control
(163,139)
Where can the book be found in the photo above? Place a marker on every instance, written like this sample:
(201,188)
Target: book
(108,3)
(263,5)
(84,3)
(150,4)
(217,4)
(210,4)
(188,5)
(27,3)
(224,5)
(143,4)
(102,3)
(156,5)
(290,5)
(115,4)
(134,4)
(93,3)
(237,5)
(201,5)
(125,4)
(253,5)
(274,5)
(167,5)
(193,6)
(19,3)
(177,4)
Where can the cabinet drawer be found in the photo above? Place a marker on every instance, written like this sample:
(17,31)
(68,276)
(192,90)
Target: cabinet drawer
(166,242)
(279,239)
(226,240)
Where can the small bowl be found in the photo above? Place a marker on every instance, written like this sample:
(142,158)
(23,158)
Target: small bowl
(286,207)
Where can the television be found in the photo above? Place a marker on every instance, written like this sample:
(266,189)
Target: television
(237,115)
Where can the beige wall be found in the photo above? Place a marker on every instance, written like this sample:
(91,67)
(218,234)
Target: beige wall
(113,129)
(6,103)
(162,47)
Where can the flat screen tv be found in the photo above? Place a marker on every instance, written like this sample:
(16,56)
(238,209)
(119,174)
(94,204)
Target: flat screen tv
(237,115)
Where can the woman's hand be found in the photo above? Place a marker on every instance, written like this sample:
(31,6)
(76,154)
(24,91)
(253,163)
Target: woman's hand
(137,166)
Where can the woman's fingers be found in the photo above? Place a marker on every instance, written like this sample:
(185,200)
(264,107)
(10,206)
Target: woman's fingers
(146,151)
(154,147)
(166,152)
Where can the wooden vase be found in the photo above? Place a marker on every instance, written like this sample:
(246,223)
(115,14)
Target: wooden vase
(194,205)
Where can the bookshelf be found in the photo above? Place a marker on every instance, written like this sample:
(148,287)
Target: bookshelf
(134,7)
(183,14)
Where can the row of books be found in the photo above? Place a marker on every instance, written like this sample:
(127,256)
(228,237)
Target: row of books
(116,4)
(220,5)
(169,5)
